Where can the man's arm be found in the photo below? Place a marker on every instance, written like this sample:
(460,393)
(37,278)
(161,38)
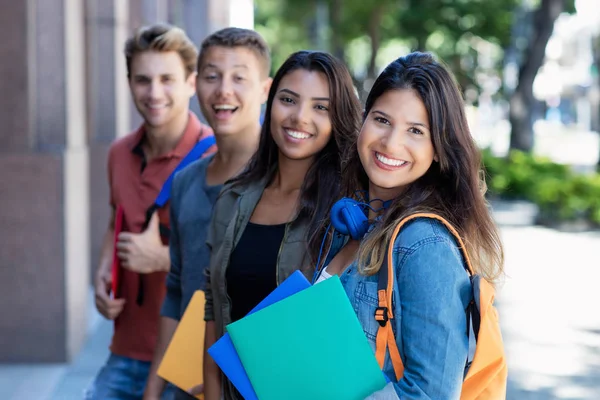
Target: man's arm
(156,384)
(109,308)
(171,308)
(212,373)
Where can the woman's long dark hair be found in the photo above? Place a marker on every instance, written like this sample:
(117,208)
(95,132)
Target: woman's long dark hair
(452,188)
(321,185)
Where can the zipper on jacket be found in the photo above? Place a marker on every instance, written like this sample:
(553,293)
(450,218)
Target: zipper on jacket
(227,302)
(323,261)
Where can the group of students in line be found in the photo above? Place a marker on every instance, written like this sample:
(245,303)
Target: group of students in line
(258,205)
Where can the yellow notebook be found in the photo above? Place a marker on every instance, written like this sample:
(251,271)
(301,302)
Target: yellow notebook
(182,362)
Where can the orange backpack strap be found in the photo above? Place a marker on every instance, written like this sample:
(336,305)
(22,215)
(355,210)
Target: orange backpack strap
(385,335)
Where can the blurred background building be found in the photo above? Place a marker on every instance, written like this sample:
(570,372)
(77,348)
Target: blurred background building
(65,98)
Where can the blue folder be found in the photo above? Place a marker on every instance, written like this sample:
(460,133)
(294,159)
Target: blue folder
(223,351)
(308,346)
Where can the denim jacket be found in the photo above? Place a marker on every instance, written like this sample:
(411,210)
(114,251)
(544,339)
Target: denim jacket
(431,293)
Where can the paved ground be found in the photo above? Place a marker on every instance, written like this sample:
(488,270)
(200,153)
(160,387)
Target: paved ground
(548,309)
(549,313)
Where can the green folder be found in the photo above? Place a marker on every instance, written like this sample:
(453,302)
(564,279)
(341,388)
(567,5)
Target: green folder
(308,346)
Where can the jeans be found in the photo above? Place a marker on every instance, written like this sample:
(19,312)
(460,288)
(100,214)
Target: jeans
(122,378)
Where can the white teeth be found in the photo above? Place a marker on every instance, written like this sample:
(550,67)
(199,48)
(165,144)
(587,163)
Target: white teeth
(389,161)
(224,107)
(156,106)
(298,135)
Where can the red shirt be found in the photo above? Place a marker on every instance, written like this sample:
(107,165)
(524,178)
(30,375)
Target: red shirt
(135,184)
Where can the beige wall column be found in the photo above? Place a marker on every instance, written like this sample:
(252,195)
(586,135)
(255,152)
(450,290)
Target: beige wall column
(239,13)
(155,11)
(44,182)
(107,28)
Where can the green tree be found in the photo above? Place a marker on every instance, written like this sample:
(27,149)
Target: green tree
(283,35)
(449,28)
(521,101)
(453,28)
(345,21)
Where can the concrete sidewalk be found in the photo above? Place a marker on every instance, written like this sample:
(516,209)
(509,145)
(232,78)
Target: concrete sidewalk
(80,374)
(549,313)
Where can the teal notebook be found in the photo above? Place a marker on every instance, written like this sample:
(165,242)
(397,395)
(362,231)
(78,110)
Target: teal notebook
(308,346)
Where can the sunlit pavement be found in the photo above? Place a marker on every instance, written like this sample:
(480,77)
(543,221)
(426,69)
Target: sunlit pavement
(549,313)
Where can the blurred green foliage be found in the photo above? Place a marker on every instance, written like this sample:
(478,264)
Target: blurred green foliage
(560,193)
(468,35)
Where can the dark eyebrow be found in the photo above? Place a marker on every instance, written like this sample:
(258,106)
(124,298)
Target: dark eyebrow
(288,91)
(297,95)
(381,113)
(142,76)
(419,124)
(209,65)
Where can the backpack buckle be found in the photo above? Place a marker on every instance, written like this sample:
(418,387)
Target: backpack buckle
(381,315)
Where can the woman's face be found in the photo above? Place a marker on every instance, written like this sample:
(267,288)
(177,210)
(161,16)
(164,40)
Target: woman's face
(394,144)
(300,119)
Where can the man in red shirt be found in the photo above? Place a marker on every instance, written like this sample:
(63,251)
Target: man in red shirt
(161,65)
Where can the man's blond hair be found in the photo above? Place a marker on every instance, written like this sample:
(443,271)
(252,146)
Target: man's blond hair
(163,38)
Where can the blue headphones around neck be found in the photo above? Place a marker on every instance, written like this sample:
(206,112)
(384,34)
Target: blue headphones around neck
(349,216)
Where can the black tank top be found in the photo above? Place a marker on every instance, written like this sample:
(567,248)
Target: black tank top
(251,275)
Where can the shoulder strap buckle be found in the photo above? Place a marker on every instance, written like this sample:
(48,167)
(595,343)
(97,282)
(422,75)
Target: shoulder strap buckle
(381,316)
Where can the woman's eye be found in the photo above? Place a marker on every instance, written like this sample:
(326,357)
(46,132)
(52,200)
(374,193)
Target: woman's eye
(321,107)
(382,120)
(415,131)
(286,100)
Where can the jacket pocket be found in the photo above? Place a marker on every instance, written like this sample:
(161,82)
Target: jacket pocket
(365,304)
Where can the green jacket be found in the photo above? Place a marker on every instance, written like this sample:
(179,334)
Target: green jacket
(231,214)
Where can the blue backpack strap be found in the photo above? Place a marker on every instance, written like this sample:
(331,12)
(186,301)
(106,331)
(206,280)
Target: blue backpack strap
(199,149)
(165,193)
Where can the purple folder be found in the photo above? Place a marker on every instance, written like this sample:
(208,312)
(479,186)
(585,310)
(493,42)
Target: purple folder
(223,351)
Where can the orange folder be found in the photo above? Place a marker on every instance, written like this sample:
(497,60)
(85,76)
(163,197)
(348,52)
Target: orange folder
(182,362)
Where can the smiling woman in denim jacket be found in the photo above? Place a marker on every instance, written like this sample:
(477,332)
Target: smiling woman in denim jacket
(264,219)
(415,152)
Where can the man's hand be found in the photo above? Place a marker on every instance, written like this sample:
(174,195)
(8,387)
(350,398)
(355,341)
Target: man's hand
(196,390)
(143,252)
(109,308)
